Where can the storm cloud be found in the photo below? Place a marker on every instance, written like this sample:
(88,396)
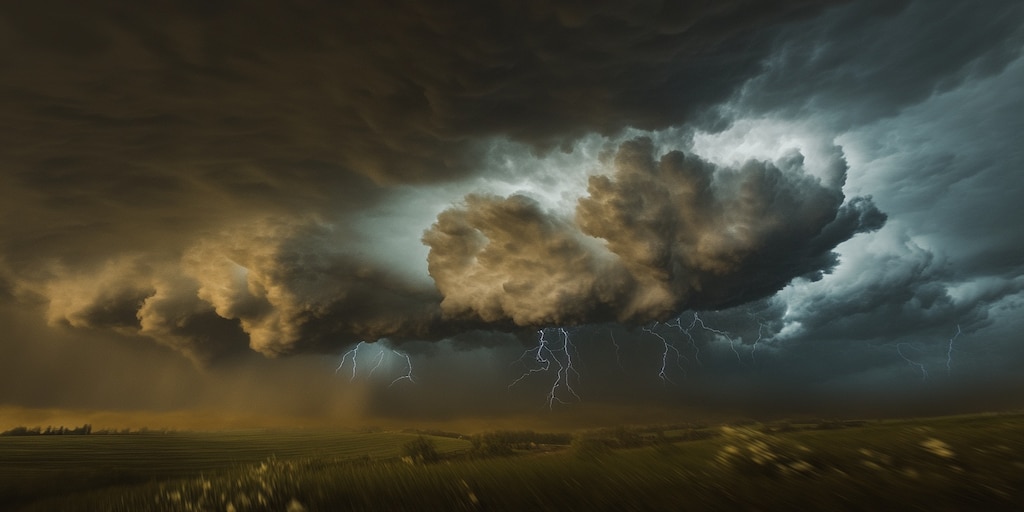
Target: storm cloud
(148,145)
(656,237)
(221,184)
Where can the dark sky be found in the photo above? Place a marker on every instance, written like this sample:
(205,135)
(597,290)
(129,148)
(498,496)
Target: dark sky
(752,207)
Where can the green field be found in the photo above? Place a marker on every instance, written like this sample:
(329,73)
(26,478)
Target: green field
(955,463)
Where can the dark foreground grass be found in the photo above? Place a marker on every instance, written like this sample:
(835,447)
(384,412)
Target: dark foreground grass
(37,467)
(963,463)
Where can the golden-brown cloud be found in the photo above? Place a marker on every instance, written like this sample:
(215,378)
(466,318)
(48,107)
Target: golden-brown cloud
(657,237)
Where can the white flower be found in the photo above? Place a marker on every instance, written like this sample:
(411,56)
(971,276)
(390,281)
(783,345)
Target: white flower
(938,447)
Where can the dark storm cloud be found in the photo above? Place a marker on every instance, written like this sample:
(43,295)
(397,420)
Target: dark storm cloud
(395,91)
(222,175)
(654,238)
(950,254)
(949,260)
(867,60)
(134,135)
(909,293)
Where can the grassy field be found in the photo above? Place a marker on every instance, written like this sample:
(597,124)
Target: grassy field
(955,463)
(35,467)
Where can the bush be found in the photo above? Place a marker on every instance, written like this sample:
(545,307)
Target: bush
(753,452)
(420,451)
(493,444)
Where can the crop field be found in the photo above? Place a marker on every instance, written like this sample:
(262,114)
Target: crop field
(33,467)
(955,463)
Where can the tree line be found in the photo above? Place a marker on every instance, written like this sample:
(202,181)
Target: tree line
(49,431)
(84,430)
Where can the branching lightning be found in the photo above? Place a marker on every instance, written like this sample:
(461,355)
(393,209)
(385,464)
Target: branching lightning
(662,373)
(760,336)
(544,355)
(693,343)
(911,362)
(753,349)
(950,348)
(408,373)
(732,342)
(378,361)
(538,356)
(354,352)
(949,351)
(568,348)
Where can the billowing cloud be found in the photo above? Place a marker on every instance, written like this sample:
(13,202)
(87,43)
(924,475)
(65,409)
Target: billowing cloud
(143,146)
(656,237)
(291,291)
(281,286)
(233,180)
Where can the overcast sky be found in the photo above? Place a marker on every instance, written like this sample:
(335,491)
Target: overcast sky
(522,208)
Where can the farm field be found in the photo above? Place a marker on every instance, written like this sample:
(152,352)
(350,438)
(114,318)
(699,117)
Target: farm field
(32,467)
(954,463)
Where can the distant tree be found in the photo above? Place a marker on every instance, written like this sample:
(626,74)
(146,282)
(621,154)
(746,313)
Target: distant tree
(491,444)
(420,451)
(38,431)
(16,431)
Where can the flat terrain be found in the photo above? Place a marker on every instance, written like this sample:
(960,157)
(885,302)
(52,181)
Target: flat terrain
(954,463)
(34,467)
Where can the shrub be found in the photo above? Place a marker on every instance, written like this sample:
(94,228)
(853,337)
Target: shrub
(492,444)
(420,451)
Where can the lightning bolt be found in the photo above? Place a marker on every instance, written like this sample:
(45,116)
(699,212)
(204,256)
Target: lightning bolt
(569,367)
(354,352)
(618,349)
(911,362)
(949,351)
(732,342)
(760,330)
(538,355)
(545,356)
(408,373)
(753,350)
(686,331)
(380,359)
(662,373)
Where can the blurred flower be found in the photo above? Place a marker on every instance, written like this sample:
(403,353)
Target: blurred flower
(938,447)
